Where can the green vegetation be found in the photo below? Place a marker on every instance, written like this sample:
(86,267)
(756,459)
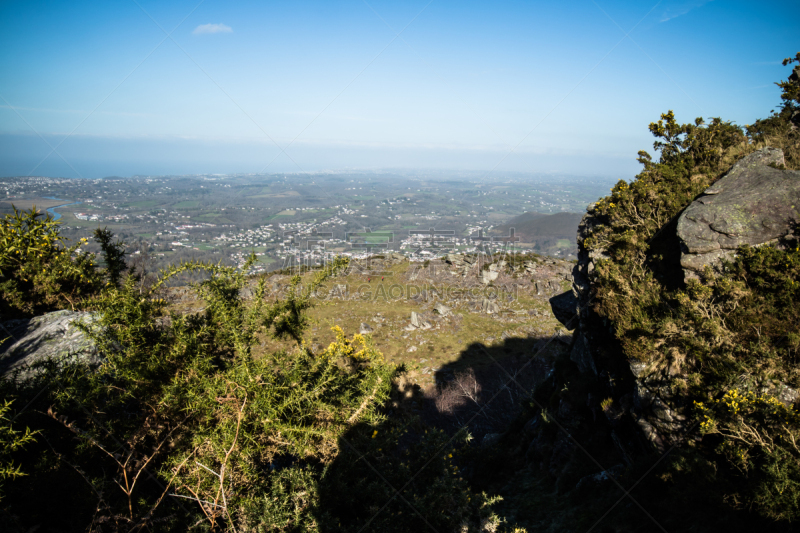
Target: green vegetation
(11,440)
(38,271)
(730,336)
(778,130)
(141,204)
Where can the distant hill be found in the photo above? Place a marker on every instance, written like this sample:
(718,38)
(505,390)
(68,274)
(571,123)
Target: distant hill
(550,233)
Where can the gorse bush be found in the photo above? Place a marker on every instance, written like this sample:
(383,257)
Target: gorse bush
(760,439)
(183,396)
(11,440)
(733,330)
(183,424)
(38,271)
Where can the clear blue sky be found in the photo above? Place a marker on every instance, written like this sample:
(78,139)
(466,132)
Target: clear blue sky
(490,86)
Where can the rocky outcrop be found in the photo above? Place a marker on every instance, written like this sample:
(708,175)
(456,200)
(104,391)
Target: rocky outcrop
(52,337)
(580,352)
(754,203)
(462,263)
(648,404)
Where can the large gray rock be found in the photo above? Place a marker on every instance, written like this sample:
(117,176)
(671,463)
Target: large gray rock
(50,337)
(752,204)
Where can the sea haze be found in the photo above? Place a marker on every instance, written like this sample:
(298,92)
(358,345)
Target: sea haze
(97,157)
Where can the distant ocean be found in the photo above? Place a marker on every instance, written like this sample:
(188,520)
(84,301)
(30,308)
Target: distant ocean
(99,157)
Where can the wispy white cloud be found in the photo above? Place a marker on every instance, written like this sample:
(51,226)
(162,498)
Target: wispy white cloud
(212,28)
(679,9)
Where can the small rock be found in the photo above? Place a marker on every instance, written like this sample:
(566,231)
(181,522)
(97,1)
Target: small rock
(489,276)
(489,307)
(441,309)
(564,339)
(565,308)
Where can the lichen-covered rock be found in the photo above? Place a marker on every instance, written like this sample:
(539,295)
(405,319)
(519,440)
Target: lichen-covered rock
(50,337)
(753,204)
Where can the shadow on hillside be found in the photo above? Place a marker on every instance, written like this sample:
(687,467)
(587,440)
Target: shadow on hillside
(485,397)
(395,477)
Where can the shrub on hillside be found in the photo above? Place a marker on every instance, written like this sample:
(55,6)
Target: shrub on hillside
(39,272)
